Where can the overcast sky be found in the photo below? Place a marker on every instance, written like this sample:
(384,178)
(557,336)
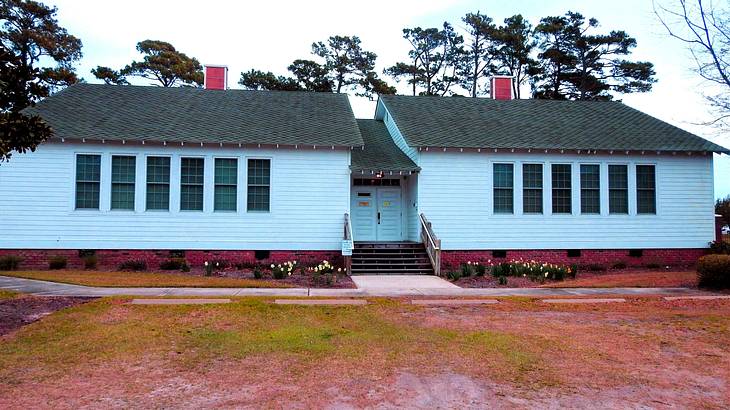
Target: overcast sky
(268,35)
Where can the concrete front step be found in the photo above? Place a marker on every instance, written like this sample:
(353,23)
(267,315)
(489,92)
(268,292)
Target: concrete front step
(390,258)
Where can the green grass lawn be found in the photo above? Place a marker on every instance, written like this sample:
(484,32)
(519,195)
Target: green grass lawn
(140,279)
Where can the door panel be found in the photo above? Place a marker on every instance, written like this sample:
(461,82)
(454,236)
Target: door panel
(364,214)
(389,226)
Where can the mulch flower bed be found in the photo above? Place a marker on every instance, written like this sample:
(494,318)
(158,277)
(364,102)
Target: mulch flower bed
(22,310)
(297,279)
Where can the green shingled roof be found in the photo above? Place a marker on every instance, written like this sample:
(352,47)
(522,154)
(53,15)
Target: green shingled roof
(380,152)
(111,112)
(537,124)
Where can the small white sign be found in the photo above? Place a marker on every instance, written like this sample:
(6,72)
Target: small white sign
(347,248)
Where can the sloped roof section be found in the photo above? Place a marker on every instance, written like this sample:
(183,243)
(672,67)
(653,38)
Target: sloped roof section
(380,152)
(536,124)
(134,113)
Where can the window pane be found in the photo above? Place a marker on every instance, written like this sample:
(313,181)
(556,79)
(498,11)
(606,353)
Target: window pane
(618,189)
(123,174)
(88,168)
(88,177)
(191,170)
(158,197)
(645,177)
(645,189)
(226,171)
(158,183)
(191,184)
(503,177)
(123,196)
(123,169)
(590,194)
(158,170)
(503,188)
(532,188)
(225,198)
(191,198)
(258,198)
(618,176)
(87,195)
(532,201)
(226,178)
(258,171)
(562,198)
(532,175)
(258,185)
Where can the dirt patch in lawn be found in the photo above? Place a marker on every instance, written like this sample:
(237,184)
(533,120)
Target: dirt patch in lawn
(519,353)
(19,311)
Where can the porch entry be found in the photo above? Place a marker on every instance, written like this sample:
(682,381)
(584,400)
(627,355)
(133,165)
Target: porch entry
(377,213)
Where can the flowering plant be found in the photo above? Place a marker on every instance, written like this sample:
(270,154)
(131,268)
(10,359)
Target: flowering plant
(283,269)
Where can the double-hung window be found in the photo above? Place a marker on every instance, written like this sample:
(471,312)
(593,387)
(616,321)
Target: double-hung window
(123,175)
(645,189)
(88,181)
(158,183)
(562,186)
(618,189)
(532,188)
(226,180)
(590,189)
(191,184)
(259,185)
(503,188)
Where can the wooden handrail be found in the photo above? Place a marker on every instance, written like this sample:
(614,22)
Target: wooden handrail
(432,244)
(347,237)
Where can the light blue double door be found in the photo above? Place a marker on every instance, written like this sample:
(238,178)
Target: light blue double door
(376,213)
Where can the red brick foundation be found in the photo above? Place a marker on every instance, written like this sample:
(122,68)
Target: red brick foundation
(605,257)
(110,259)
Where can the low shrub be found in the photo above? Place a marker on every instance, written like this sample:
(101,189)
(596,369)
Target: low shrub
(619,265)
(595,267)
(713,271)
(10,262)
(720,247)
(173,264)
(653,265)
(454,275)
(503,269)
(220,263)
(573,271)
(185,268)
(502,280)
(480,269)
(90,262)
(57,262)
(133,265)
(246,265)
(258,273)
(467,269)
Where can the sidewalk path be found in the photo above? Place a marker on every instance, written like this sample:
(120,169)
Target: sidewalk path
(42,288)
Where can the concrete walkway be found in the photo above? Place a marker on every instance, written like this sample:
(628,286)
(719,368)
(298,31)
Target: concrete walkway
(43,288)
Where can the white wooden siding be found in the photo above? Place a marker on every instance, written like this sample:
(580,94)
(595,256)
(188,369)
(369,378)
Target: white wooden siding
(309,196)
(455,193)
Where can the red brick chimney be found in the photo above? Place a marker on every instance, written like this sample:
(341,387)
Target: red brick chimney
(500,87)
(216,77)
